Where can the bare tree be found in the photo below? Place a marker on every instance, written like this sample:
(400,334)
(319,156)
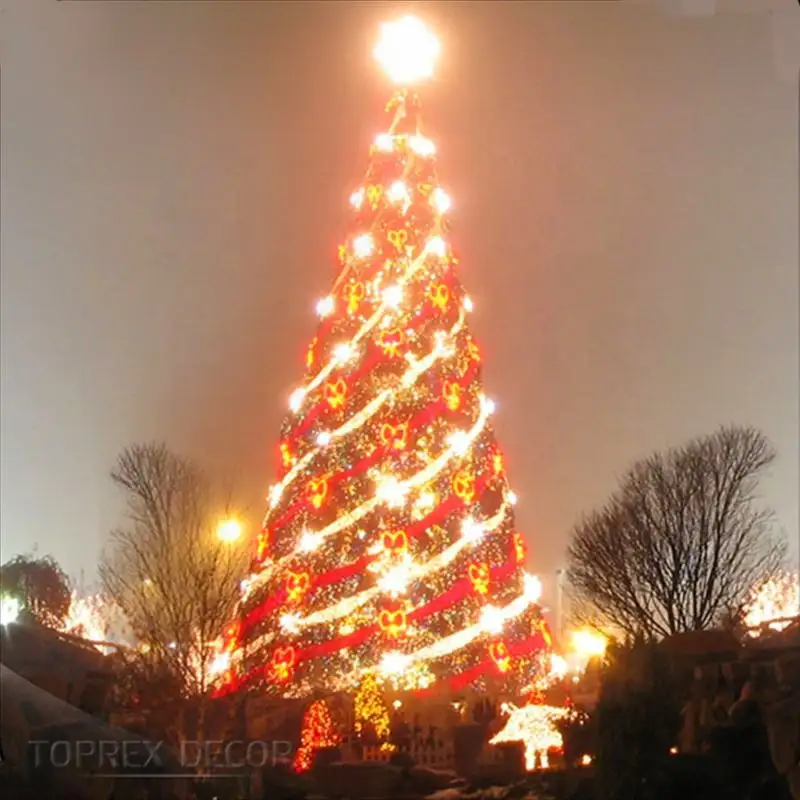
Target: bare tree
(681,542)
(175,581)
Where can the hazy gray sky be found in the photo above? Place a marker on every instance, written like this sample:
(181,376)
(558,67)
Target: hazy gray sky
(175,178)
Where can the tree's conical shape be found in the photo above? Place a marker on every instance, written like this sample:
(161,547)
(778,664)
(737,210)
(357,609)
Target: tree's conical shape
(389,543)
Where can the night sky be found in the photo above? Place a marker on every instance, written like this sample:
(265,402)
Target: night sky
(175,184)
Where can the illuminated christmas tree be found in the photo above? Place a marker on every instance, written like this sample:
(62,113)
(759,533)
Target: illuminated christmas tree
(389,543)
(370,712)
(318,732)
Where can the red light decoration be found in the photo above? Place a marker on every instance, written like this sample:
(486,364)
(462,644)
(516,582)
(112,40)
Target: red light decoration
(498,652)
(393,623)
(283,663)
(519,548)
(395,436)
(497,463)
(318,731)
(262,544)
(232,633)
(311,353)
(374,194)
(451,392)
(354,294)
(390,342)
(546,635)
(439,296)
(396,542)
(297,586)
(336,393)
(317,491)
(398,239)
(474,351)
(479,576)
(464,486)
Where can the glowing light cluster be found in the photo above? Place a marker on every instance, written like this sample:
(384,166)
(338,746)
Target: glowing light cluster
(370,709)
(97,620)
(9,610)
(536,727)
(318,731)
(407,50)
(773,604)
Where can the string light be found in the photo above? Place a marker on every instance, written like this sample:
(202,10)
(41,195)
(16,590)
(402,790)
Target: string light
(318,731)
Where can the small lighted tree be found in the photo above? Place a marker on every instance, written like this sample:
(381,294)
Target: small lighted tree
(318,731)
(371,714)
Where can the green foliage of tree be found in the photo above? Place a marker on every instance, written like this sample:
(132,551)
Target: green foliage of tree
(40,586)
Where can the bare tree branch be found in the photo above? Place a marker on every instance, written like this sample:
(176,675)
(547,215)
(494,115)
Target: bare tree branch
(177,584)
(681,542)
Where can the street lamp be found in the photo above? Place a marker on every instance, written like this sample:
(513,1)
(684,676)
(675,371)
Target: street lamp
(229,530)
(9,610)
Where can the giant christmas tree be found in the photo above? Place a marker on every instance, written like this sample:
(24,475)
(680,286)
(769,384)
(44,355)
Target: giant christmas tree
(389,543)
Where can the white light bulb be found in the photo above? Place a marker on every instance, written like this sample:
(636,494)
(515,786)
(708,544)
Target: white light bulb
(296,399)
(363,245)
(357,198)
(290,623)
(422,146)
(220,664)
(492,619)
(325,306)
(394,663)
(395,581)
(468,304)
(489,405)
(309,542)
(459,442)
(472,530)
(391,492)
(441,200)
(393,296)
(436,245)
(532,587)
(275,493)
(425,500)
(512,498)
(384,142)
(324,439)
(398,191)
(343,352)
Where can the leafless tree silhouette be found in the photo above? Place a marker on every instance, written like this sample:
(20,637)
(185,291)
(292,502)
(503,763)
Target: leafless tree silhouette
(176,582)
(681,542)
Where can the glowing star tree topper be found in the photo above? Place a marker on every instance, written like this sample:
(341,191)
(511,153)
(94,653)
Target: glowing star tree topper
(407,51)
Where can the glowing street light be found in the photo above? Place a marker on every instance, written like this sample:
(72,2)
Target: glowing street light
(229,530)
(9,610)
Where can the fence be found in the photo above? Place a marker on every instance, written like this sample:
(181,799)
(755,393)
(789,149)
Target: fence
(439,755)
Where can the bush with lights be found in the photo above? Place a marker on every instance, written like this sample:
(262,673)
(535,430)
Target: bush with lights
(318,731)
(389,543)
